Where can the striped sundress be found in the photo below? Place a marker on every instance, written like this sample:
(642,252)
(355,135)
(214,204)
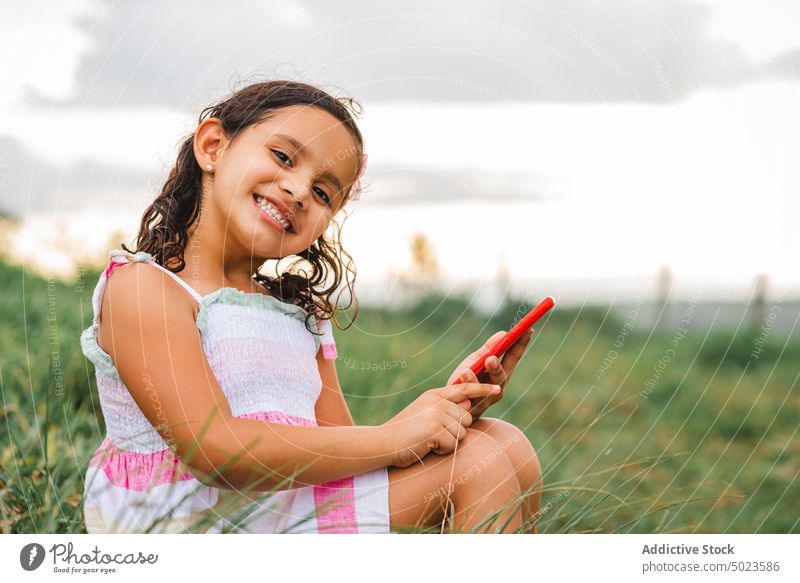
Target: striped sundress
(264,359)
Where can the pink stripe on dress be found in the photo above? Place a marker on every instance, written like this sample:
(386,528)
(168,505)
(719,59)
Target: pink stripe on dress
(334,500)
(137,471)
(277,417)
(336,507)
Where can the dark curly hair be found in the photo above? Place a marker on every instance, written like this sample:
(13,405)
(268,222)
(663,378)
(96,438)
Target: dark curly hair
(164,225)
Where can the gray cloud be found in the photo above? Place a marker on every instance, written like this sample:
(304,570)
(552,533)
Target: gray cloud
(400,185)
(184,55)
(29,184)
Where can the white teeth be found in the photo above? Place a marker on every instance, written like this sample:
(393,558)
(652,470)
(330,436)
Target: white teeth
(267,206)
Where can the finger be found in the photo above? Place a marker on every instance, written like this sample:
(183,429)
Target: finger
(521,344)
(447,437)
(493,339)
(469,376)
(524,340)
(477,355)
(514,354)
(455,432)
(487,346)
(492,374)
(461,373)
(458,393)
(461,415)
(477,411)
(496,370)
(492,366)
(455,426)
(481,404)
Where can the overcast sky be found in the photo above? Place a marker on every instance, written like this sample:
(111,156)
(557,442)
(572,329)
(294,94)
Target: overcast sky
(622,135)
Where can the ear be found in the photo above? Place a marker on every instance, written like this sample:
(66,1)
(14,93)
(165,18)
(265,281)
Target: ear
(209,141)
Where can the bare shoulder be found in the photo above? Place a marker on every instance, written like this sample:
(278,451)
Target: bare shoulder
(156,347)
(135,289)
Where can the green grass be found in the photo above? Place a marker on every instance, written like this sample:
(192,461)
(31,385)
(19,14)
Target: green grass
(711,447)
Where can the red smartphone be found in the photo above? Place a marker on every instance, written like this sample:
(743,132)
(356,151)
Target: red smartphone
(513,335)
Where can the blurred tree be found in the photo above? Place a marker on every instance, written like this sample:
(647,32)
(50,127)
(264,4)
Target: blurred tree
(424,269)
(663,289)
(758,311)
(421,277)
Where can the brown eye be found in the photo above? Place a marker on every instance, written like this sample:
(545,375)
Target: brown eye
(278,153)
(325,194)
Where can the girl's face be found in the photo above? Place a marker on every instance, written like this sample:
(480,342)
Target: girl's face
(298,164)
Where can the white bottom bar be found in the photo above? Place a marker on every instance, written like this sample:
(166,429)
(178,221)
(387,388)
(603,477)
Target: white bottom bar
(373,557)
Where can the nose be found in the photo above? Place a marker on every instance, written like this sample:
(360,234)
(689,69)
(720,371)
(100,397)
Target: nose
(298,189)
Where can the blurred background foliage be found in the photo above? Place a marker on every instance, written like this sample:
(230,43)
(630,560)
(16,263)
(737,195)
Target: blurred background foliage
(706,442)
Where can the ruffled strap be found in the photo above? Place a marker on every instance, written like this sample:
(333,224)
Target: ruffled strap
(121,257)
(326,340)
(116,257)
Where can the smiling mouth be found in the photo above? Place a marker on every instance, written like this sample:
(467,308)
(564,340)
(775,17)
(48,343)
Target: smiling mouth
(272,214)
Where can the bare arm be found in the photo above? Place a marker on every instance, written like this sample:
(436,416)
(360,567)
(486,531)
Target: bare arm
(331,407)
(149,329)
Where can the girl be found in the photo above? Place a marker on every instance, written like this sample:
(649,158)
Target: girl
(218,384)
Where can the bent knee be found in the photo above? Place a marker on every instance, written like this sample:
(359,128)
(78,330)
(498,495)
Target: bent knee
(513,440)
(477,440)
(501,431)
(481,450)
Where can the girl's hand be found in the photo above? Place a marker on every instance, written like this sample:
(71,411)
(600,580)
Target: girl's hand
(499,372)
(433,422)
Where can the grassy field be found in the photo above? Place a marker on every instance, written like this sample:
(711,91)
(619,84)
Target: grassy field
(637,430)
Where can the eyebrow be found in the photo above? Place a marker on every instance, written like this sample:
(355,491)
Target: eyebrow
(299,146)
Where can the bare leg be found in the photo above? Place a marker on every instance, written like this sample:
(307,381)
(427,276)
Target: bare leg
(525,461)
(477,482)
